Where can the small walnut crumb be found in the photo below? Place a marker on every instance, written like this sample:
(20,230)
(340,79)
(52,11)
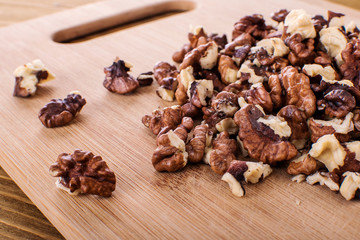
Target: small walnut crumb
(297,201)
(313,70)
(239,171)
(246,69)
(322,178)
(117,78)
(82,172)
(29,76)
(228,125)
(299,178)
(59,112)
(298,21)
(275,47)
(329,151)
(146,78)
(350,185)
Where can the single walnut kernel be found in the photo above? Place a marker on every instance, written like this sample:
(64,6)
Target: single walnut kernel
(196,146)
(322,178)
(222,153)
(170,154)
(260,140)
(145,79)
(239,171)
(298,21)
(350,185)
(59,112)
(328,150)
(117,78)
(82,172)
(29,76)
(305,164)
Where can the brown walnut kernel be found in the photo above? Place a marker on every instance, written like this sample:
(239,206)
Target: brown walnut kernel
(338,103)
(276,92)
(179,55)
(298,91)
(145,79)
(253,25)
(259,140)
(163,70)
(351,66)
(117,78)
(228,70)
(169,117)
(225,102)
(59,112)
(222,153)
(170,154)
(305,164)
(296,120)
(243,40)
(301,52)
(280,15)
(82,172)
(259,96)
(196,146)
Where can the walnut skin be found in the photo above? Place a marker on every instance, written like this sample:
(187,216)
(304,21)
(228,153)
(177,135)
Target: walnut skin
(351,66)
(303,165)
(253,25)
(179,55)
(298,91)
(196,146)
(225,102)
(318,130)
(169,117)
(259,95)
(300,52)
(117,78)
(59,112)
(260,140)
(296,119)
(170,154)
(145,79)
(222,153)
(243,40)
(280,15)
(276,93)
(163,70)
(338,103)
(82,172)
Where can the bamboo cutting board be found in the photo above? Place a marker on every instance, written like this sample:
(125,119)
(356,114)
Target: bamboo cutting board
(190,204)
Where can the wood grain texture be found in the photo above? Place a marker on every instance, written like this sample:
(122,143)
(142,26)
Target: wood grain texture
(190,204)
(19,217)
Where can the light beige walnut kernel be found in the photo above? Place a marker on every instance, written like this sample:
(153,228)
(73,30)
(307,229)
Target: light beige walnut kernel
(323,179)
(334,42)
(350,185)
(329,151)
(29,76)
(298,21)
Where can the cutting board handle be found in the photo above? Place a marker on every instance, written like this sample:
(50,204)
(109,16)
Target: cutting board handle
(91,20)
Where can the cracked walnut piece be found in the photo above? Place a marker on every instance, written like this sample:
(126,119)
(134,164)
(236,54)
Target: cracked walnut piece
(298,91)
(30,75)
(117,78)
(59,112)
(170,154)
(222,153)
(82,172)
(240,171)
(260,140)
(196,146)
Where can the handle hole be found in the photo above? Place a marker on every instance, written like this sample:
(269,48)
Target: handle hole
(118,22)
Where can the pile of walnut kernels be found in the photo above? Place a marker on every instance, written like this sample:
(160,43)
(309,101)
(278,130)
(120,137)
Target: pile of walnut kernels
(286,91)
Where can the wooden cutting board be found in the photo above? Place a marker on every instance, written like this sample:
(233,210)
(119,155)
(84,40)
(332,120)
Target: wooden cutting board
(189,204)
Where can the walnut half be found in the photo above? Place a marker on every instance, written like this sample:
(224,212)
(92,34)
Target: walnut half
(29,76)
(59,112)
(82,172)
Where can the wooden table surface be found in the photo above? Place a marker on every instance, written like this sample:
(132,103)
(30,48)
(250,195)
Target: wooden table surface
(19,217)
